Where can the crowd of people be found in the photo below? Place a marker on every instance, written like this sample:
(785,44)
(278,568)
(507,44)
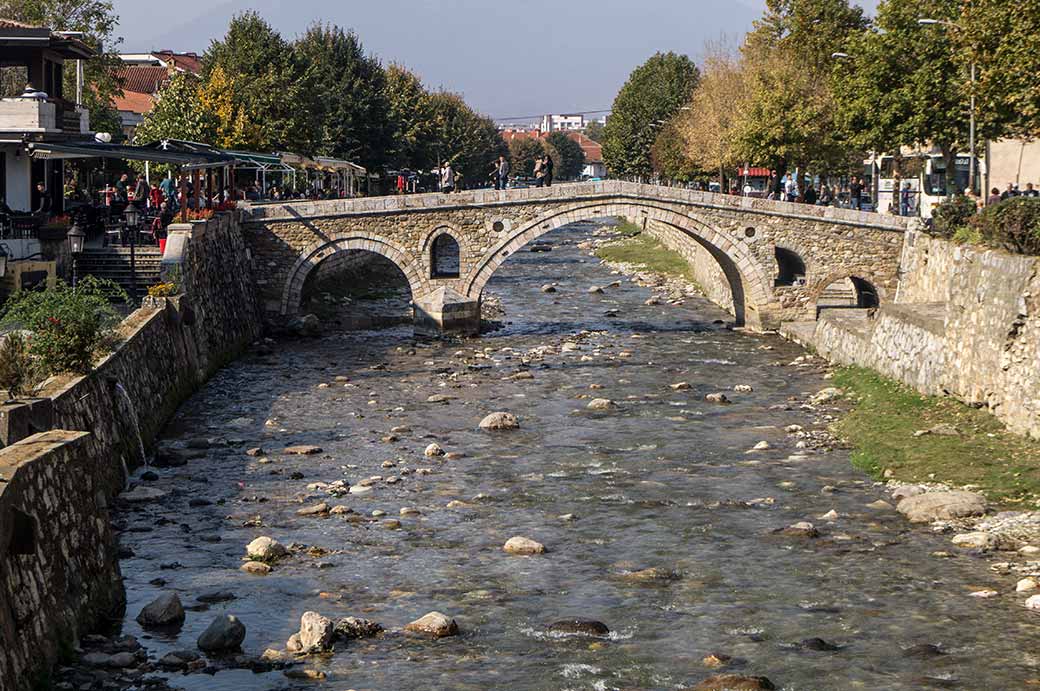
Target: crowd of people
(450,178)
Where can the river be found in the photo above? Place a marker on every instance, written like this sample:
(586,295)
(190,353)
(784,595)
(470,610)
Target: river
(665,480)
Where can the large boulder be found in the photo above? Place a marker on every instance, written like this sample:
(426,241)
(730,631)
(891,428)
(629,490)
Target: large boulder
(434,624)
(500,421)
(265,549)
(225,634)
(523,545)
(601,404)
(355,627)
(307,325)
(942,506)
(165,610)
(316,632)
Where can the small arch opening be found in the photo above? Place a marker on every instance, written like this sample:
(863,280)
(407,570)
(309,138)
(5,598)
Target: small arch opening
(23,533)
(851,292)
(444,257)
(749,232)
(790,268)
(357,289)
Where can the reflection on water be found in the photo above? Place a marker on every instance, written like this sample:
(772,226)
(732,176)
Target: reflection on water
(662,481)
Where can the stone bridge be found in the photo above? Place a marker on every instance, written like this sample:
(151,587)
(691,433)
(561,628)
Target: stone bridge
(765,261)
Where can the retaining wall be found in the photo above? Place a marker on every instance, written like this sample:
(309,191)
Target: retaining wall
(965,322)
(168,348)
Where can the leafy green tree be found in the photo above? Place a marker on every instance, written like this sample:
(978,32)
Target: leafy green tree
(97,20)
(572,157)
(904,85)
(178,114)
(470,141)
(522,153)
(709,127)
(257,68)
(1003,38)
(411,115)
(594,131)
(345,109)
(788,114)
(669,155)
(654,92)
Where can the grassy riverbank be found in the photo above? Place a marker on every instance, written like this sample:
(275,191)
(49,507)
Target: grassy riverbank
(642,249)
(885,416)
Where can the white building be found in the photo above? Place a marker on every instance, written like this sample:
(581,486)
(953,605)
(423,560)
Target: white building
(562,123)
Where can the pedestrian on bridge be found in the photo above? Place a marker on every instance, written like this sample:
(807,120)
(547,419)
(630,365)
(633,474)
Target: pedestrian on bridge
(501,173)
(447,178)
(547,169)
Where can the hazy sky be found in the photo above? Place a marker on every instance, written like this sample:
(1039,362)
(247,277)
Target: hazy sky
(511,58)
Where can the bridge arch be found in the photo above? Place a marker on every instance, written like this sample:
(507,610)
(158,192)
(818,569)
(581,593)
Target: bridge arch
(749,285)
(317,252)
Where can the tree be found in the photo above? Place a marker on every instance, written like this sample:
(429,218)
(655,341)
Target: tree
(1003,38)
(522,153)
(709,128)
(178,114)
(654,92)
(97,20)
(410,113)
(905,85)
(259,71)
(669,155)
(232,126)
(788,115)
(571,159)
(471,142)
(345,109)
(594,131)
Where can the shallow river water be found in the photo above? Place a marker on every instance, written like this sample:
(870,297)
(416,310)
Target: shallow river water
(665,480)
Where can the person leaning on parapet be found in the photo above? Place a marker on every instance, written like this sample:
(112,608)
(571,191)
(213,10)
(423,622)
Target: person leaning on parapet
(855,193)
(547,168)
(447,178)
(1030,191)
(1010,192)
(539,171)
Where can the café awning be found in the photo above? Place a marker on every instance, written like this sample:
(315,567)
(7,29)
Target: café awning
(153,154)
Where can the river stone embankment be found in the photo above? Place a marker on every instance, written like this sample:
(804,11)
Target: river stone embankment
(59,573)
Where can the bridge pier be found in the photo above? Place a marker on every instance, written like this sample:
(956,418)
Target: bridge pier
(446,312)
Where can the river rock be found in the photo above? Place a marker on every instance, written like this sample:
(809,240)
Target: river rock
(974,540)
(1033,602)
(224,634)
(596,290)
(716,660)
(433,624)
(439,398)
(141,495)
(601,404)
(523,545)
(257,568)
(942,506)
(734,682)
(800,529)
(355,627)
(761,446)
(316,632)
(522,375)
(500,421)
(265,549)
(818,645)
(122,660)
(165,610)
(303,450)
(548,288)
(433,450)
(923,651)
(651,575)
(679,386)
(583,627)
(826,395)
(717,397)
(316,510)
(743,388)
(1025,585)
(308,325)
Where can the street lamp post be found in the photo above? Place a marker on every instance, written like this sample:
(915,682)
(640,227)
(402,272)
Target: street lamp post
(75,238)
(971,124)
(132,217)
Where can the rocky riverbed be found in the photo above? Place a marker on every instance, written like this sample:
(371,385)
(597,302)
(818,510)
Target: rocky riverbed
(612,490)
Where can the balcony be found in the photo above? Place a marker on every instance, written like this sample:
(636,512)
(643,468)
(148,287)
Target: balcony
(51,116)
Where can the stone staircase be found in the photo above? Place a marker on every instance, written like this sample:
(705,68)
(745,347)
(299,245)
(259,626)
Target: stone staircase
(113,263)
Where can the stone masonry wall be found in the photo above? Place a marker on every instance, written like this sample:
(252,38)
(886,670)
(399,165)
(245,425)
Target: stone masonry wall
(704,268)
(167,349)
(59,577)
(966,323)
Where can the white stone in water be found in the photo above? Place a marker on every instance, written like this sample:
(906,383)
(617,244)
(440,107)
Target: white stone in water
(500,421)
(974,540)
(1025,585)
(1033,602)
(831,515)
(743,388)
(409,511)
(360,489)
(601,404)
(984,594)
(679,386)
(315,632)
(265,549)
(1029,551)
(761,446)
(523,545)
(433,624)
(433,450)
